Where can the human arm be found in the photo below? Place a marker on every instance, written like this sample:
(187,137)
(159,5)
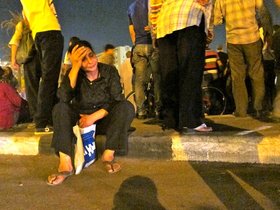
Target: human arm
(14,63)
(154,9)
(76,57)
(209,14)
(218,13)
(265,20)
(66,91)
(51,4)
(14,43)
(87,120)
(132,33)
(131,27)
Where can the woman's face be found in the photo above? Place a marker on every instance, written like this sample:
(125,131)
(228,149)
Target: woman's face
(89,62)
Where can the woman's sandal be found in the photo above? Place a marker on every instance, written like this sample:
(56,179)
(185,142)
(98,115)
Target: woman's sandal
(112,166)
(64,174)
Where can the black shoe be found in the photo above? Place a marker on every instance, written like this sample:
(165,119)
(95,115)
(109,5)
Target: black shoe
(43,131)
(131,129)
(142,117)
(274,119)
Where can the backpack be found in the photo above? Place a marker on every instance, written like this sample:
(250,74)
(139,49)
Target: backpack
(25,45)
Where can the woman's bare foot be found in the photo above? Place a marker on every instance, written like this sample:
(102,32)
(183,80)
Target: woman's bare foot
(65,162)
(65,169)
(108,155)
(110,164)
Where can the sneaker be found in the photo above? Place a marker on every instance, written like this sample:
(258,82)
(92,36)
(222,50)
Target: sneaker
(203,128)
(42,131)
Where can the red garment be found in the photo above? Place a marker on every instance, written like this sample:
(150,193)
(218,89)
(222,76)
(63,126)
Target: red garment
(10,102)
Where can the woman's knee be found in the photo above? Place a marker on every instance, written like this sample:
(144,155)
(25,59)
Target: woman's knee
(128,106)
(63,111)
(125,108)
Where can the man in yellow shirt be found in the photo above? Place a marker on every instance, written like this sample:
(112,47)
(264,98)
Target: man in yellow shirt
(244,48)
(48,38)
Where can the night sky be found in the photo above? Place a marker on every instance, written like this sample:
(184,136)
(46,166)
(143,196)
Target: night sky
(98,21)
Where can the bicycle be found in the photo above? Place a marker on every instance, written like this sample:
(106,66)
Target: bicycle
(213,100)
(149,97)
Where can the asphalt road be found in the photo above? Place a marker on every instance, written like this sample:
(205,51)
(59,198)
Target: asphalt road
(141,184)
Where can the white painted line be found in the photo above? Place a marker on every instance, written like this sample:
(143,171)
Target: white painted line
(242,133)
(260,198)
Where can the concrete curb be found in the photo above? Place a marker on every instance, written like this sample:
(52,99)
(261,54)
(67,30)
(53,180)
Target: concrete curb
(258,144)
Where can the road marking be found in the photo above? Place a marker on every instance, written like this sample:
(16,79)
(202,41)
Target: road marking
(260,198)
(242,133)
(178,152)
(269,149)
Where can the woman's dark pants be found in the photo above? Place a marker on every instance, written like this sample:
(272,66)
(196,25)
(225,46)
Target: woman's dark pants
(115,127)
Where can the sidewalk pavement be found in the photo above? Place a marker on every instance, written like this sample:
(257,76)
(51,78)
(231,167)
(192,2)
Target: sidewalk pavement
(238,140)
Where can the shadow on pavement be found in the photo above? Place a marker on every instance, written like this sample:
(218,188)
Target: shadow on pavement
(137,192)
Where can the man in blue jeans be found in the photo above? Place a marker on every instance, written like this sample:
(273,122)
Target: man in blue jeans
(46,33)
(145,57)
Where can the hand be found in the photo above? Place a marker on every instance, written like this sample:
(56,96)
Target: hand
(202,2)
(210,37)
(85,121)
(77,55)
(147,28)
(15,65)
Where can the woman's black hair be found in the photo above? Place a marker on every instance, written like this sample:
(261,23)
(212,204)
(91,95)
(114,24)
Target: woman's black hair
(80,43)
(74,39)
(1,72)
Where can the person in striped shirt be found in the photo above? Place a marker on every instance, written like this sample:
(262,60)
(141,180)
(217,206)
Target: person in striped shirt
(244,48)
(181,29)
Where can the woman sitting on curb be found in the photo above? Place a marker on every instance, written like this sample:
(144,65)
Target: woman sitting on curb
(90,93)
(13,109)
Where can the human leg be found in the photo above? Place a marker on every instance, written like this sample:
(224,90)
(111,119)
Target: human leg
(169,79)
(64,118)
(253,54)
(191,51)
(140,64)
(238,75)
(270,89)
(32,74)
(154,63)
(115,126)
(49,45)
(276,102)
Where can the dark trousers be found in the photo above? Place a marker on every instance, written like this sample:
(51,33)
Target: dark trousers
(182,63)
(246,59)
(276,48)
(49,46)
(115,126)
(32,75)
(269,80)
